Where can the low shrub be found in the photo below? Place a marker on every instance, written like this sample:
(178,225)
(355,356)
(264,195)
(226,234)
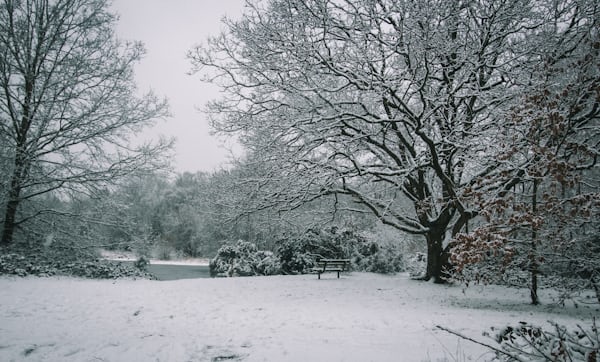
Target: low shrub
(62,259)
(386,260)
(268,263)
(102,269)
(416,264)
(295,256)
(243,259)
(14,263)
(142,263)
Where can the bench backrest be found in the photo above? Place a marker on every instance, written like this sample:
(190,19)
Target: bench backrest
(333,263)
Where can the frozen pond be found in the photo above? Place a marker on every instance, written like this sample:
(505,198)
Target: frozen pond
(177,271)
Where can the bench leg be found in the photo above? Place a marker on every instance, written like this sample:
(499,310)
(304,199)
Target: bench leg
(319,275)
(338,275)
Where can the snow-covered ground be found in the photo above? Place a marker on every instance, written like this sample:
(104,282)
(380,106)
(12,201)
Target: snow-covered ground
(360,317)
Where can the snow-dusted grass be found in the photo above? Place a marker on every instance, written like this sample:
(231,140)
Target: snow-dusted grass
(360,317)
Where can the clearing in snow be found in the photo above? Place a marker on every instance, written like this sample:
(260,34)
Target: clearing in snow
(360,317)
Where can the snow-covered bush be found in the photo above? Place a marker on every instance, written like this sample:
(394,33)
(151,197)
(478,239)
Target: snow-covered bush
(416,264)
(103,269)
(141,263)
(243,259)
(268,263)
(386,260)
(298,255)
(14,263)
(295,256)
(62,258)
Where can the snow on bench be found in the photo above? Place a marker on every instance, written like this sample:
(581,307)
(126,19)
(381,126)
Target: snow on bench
(331,265)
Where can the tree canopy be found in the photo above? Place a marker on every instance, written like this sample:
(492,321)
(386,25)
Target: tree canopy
(403,105)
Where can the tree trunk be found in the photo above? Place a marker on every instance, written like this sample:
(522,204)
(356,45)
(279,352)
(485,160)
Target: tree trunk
(534,267)
(14,194)
(436,261)
(21,165)
(596,286)
(9,221)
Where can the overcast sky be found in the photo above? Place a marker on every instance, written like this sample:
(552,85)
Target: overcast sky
(168,29)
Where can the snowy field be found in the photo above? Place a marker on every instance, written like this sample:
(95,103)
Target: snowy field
(360,317)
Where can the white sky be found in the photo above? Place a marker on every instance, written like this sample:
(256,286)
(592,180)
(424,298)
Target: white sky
(168,29)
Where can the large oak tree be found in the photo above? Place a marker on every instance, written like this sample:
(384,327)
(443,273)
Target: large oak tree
(399,104)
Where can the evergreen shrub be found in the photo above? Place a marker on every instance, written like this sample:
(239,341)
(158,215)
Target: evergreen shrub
(243,259)
(299,255)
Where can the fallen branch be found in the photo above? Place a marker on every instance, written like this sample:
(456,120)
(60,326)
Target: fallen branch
(495,349)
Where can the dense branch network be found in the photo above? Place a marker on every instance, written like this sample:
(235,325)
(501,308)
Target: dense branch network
(402,105)
(67,102)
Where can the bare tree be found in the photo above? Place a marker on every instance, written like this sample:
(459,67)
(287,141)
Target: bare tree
(68,102)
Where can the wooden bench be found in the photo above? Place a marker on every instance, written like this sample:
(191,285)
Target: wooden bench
(331,265)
